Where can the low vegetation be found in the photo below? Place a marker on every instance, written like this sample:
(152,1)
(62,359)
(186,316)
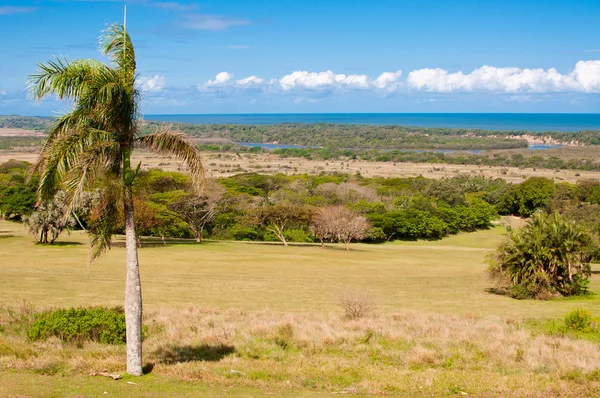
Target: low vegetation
(80,325)
(549,257)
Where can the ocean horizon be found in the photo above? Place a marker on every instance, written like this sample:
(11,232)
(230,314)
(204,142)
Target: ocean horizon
(536,122)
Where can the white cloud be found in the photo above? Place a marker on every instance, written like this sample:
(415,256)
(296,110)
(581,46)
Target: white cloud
(584,78)
(10,10)
(152,84)
(323,81)
(388,80)
(2,92)
(250,80)
(224,84)
(220,80)
(211,22)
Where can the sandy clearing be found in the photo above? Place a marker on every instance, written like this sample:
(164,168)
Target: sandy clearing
(10,132)
(230,164)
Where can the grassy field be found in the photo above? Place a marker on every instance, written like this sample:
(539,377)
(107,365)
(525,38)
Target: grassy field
(253,319)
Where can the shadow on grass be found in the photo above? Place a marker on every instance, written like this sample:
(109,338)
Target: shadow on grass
(158,242)
(497,291)
(2,235)
(172,354)
(62,244)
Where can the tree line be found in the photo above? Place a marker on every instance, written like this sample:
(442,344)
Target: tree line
(307,208)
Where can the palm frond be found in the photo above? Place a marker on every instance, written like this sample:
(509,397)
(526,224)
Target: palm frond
(63,78)
(177,144)
(63,153)
(92,164)
(105,216)
(116,43)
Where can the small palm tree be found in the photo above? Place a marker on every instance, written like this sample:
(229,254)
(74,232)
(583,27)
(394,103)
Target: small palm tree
(92,144)
(549,256)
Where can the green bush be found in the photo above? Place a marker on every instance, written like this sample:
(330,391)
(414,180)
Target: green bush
(245,233)
(580,320)
(297,235)
(548,257)
(103,325)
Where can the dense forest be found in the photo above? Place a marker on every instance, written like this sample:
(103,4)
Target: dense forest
(295,208)
(356,136)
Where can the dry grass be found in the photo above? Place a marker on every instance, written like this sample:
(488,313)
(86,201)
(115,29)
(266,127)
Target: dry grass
(230,164)
(405,353)
(11,132)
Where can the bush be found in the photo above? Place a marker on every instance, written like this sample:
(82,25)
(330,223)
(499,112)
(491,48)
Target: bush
(580,320)
(548,257)
(103,325)
(245,233)
(356,304)
(297,235)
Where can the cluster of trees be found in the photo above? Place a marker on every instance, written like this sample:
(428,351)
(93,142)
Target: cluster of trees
(357,136)
(352,135)
(299,208)
(287,208)
(377,136)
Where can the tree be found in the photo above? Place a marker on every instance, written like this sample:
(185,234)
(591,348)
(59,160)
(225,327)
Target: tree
(50,219)
(93,144)
(523,199)
(277,218)
(548,257)
(339,223)
(198,210)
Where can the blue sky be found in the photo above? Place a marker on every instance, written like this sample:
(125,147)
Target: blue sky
(258,56)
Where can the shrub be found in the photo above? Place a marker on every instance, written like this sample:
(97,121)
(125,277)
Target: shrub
(297,235)
(103,325)
(548,257)
(356,304)
(245,233)
(580,320)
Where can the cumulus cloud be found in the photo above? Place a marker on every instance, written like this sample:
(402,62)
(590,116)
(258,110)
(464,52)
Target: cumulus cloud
(224,84)
(584,78)
(250,81)
(319,81)
(220,80)
(152,84)
(210,22)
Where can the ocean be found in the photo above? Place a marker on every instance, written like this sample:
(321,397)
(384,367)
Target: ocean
(568,122)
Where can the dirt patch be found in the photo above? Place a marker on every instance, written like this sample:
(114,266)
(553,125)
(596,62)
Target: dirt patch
(10,132)
(231,164)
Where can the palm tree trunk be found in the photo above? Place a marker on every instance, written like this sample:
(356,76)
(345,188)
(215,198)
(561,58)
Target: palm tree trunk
(133,287)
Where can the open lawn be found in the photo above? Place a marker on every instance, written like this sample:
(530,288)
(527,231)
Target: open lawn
(249,319)
(439,276)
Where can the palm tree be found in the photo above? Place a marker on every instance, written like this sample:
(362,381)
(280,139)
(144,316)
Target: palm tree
(93,143)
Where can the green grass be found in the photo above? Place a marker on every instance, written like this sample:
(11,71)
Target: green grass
(439,276)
